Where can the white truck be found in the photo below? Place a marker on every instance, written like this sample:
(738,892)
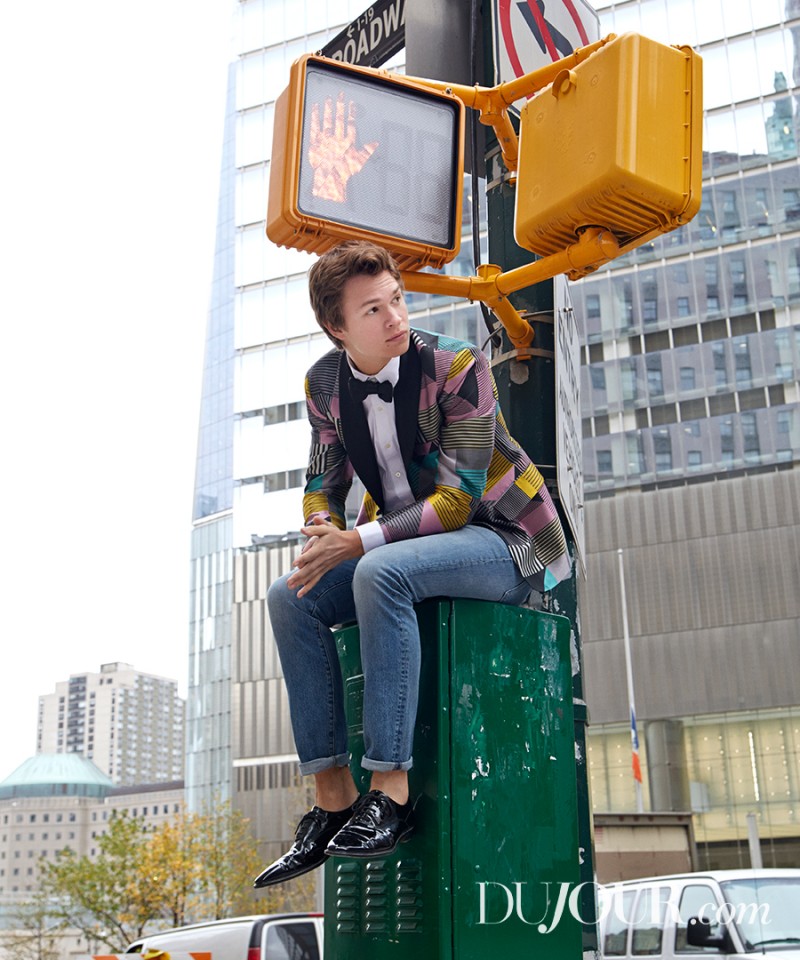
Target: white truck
(287,936)
(733,914)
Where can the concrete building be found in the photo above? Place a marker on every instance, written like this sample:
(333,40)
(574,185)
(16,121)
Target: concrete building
(130,724)
(56,801)
(692,446)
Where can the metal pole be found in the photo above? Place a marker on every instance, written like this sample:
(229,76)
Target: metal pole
(754,842)
(527,392)
(629,674)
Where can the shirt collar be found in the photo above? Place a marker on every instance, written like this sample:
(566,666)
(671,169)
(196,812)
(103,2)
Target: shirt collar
(390,372)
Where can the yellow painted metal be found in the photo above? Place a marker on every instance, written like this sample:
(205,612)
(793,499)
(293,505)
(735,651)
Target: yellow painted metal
(493,102)
(609,157)
(593,248)
(614,142)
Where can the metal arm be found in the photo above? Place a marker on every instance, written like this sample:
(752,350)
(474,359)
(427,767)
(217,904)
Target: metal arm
(493,102)
(594,247)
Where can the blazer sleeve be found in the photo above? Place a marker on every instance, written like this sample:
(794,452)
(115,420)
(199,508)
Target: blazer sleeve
(465,411)
(330,474)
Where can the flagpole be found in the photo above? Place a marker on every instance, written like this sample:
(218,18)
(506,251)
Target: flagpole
(637,770)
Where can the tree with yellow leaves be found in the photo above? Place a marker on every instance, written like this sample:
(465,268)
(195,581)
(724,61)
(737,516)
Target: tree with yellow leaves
(197,866)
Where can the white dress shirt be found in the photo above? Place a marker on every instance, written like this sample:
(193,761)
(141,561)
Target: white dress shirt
(383,430)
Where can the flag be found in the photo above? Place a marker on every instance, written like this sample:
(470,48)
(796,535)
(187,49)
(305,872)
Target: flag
(637,768)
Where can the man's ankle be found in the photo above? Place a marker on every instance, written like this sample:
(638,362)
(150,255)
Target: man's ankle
(335,789)
(394,783)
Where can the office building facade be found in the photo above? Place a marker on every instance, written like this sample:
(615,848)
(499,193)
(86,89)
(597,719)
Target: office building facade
(57,802)
(130,724)
(691,414)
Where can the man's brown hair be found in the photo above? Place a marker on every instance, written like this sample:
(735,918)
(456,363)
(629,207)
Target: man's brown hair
(326,279)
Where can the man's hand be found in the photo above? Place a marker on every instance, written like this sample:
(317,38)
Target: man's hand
(326,548)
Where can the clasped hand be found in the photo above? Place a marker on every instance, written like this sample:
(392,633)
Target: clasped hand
(326,548)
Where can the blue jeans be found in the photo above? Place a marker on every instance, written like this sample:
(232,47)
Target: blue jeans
(378,590)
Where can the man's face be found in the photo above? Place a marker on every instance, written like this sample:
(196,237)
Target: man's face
(375,321)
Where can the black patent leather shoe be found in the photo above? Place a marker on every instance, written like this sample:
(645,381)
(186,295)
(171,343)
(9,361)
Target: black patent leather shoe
(375,829)
(307,852)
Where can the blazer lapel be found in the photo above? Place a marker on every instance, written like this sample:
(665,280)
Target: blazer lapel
(357,439)
(406,401)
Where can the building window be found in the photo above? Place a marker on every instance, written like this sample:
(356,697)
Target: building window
(662,447)
(752,448)
(791,203)
(598,376)
(688,378)
(726,440)
(684,309)
(604,463)
(744,371)
(784,421)
(628,377)
(655,376)
(720,364)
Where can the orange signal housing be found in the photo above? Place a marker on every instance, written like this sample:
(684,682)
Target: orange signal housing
(615,143)
(318,224)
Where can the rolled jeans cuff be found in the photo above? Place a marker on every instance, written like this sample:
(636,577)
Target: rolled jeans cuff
(323,763)
(384,766)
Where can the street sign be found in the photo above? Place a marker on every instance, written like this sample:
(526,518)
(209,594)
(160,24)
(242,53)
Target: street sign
(569,452)
(373,37)
(529,34)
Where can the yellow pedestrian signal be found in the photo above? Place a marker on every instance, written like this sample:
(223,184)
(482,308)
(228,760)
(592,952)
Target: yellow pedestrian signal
(359,154)
(613,143)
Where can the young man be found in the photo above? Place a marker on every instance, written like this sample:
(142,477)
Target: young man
(454,507)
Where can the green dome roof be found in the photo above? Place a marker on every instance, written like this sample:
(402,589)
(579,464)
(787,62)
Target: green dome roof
(56,774)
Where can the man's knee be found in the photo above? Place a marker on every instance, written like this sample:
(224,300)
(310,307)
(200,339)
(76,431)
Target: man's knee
(376,572)
(279,595)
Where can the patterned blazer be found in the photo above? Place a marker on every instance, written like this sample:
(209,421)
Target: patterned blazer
(462,464)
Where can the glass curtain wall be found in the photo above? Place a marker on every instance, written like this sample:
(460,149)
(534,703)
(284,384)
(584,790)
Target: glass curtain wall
(693,341)
(737,764)
(208,769)
(276,337)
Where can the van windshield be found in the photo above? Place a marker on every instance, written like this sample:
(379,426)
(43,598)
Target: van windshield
(765,909)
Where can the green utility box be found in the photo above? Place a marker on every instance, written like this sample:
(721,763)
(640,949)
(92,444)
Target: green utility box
(493,864)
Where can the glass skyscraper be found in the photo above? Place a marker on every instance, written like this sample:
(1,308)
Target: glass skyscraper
(691,445)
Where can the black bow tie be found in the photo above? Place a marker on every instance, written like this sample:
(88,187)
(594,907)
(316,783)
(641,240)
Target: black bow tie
(361,389)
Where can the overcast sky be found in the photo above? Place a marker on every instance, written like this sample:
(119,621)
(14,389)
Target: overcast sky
(111,120)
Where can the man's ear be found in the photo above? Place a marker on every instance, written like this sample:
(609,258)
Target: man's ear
(332,335)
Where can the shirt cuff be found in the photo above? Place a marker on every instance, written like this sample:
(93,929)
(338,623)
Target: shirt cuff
(371,535)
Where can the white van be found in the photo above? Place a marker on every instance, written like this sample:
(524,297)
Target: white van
(729,913)
(287,936)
